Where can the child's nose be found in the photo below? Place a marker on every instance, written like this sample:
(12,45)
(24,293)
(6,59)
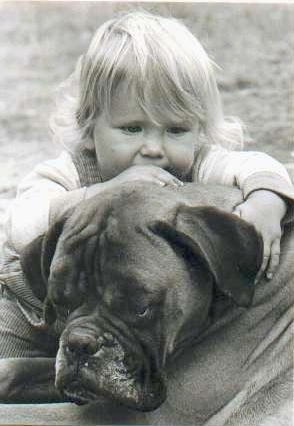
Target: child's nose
(152,147)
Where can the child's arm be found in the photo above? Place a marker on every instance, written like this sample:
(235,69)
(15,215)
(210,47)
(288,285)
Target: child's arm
(267,190)
(29,213)
(53,188)
(265,210)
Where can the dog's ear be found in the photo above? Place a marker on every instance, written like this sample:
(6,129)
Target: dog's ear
(36,259)
(230,247)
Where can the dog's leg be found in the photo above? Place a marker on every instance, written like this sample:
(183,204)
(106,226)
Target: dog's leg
(28,380)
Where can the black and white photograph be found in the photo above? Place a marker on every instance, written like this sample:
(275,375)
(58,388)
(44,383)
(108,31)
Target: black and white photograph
(146,213)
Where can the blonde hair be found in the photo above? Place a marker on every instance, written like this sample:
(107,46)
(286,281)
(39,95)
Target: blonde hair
(162,60)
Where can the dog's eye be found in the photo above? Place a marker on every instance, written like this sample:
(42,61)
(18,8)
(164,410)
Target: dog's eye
(144,313)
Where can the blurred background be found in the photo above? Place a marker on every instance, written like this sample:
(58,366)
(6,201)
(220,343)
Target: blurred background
(40,42)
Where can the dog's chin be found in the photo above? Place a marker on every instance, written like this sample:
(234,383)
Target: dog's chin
(76,393)
(145,400)
(105,375)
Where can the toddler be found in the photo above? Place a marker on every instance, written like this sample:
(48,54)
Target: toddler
(143,106)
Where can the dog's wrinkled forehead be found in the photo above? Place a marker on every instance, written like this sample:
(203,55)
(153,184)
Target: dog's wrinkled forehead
(129,216)
(130,251)
(127,241)
(144,202)
(128,232)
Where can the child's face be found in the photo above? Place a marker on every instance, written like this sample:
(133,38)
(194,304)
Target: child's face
(128,137)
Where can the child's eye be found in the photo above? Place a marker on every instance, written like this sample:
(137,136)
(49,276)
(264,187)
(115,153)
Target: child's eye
(131,129)
(177,130)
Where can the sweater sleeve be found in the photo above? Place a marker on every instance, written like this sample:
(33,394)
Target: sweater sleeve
(248,170)
(38,195)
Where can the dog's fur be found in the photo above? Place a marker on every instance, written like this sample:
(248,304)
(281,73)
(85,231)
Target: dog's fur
(151,272)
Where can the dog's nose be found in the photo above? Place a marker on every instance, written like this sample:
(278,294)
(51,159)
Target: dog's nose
(82,343)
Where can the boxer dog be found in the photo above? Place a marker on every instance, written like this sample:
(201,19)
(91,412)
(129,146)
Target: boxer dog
(135,274)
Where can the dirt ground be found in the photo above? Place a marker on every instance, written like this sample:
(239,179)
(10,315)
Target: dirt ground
(40,42)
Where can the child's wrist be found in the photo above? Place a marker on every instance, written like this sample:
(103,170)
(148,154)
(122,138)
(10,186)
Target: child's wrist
(271,199)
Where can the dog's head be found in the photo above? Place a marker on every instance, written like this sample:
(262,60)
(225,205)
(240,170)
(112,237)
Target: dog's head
(136,272)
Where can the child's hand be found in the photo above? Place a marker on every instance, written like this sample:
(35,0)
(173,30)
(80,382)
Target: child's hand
(265,210)
(146,174)
(136,173)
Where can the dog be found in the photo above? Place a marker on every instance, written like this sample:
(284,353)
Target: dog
(151,282)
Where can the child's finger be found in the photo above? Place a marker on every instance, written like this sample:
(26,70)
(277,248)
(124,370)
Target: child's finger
(168,182)
(266,256)
(274,259)
(237,212)
(170,179)
(167,179)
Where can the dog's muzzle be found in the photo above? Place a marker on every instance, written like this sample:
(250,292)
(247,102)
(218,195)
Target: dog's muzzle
(95,363)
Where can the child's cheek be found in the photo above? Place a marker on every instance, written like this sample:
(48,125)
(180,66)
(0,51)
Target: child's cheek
(121,157)
(182,157)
